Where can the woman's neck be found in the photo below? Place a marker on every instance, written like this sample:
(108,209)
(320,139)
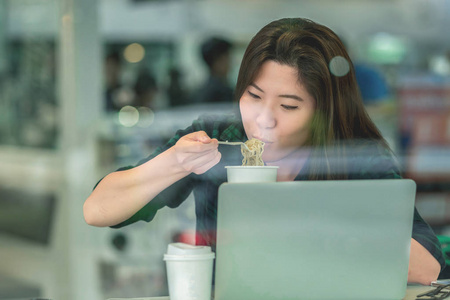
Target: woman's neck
(291,165)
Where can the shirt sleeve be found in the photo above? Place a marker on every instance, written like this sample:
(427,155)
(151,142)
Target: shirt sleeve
(223,126)
(172,196)
(425,236)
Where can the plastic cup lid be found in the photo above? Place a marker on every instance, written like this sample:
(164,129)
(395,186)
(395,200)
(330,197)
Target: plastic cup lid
(186,251)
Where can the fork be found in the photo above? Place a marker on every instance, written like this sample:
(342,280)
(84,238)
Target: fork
(234,144)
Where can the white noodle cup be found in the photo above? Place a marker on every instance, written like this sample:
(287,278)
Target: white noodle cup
(252,173)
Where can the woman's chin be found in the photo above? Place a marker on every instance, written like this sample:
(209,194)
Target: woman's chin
(285,157)
(272,159)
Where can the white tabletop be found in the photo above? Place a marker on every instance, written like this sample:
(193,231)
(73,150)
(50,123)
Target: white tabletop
(145,298)
(411,292)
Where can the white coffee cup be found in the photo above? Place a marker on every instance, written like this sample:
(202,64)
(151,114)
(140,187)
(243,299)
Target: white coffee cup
(252,173)
(189,271)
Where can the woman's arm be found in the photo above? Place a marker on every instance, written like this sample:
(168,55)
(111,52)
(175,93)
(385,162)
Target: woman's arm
(423,267)
(121,194)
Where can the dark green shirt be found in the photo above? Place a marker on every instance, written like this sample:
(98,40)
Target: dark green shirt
(367,161)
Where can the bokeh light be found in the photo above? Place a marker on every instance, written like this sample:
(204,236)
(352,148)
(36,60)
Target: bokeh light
(339,66)
(385,48)
(440,65)
(134,53)
(146,117)
(128,116)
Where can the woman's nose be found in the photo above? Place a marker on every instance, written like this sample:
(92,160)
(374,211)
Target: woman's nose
(266,118)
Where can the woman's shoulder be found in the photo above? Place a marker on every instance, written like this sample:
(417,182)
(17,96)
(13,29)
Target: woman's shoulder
(369,148)
(372,159)
(220,126)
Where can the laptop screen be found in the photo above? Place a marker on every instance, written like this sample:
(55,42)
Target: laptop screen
(318,240)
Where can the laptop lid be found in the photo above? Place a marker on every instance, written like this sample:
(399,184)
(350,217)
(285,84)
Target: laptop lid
(314,239)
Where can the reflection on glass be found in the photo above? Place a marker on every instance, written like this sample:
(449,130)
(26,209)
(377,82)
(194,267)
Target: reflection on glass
(27,93)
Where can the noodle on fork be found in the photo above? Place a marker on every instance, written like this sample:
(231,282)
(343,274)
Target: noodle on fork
(254,156)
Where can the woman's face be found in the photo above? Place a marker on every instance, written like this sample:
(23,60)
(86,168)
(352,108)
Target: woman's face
(277,110)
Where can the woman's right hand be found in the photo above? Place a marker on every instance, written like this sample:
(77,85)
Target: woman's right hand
(197,152)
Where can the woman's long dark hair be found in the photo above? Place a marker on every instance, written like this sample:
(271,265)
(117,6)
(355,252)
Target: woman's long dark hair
(340,116)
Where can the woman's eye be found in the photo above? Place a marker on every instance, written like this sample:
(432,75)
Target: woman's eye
(253,95)
(289,107)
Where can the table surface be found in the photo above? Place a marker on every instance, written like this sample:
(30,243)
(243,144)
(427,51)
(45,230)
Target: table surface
(411,292)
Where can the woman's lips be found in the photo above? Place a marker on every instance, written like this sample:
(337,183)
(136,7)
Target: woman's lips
(263,140)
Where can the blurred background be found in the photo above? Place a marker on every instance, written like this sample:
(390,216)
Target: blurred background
(87,86)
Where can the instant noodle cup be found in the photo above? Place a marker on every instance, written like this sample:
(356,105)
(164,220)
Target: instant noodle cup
(252,173)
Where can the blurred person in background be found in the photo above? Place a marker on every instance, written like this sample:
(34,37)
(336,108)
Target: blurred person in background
(145,89)
(176,93)
(311,118)
(372,84)
(113,69)
(117,94)
(215,52)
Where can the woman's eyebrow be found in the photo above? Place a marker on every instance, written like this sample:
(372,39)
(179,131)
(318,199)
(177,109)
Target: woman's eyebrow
(295,97)
(256,87)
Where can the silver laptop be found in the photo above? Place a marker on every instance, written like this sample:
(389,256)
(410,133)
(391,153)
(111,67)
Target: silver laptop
(314,240)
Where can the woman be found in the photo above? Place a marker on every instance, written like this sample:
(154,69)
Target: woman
(313,124)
